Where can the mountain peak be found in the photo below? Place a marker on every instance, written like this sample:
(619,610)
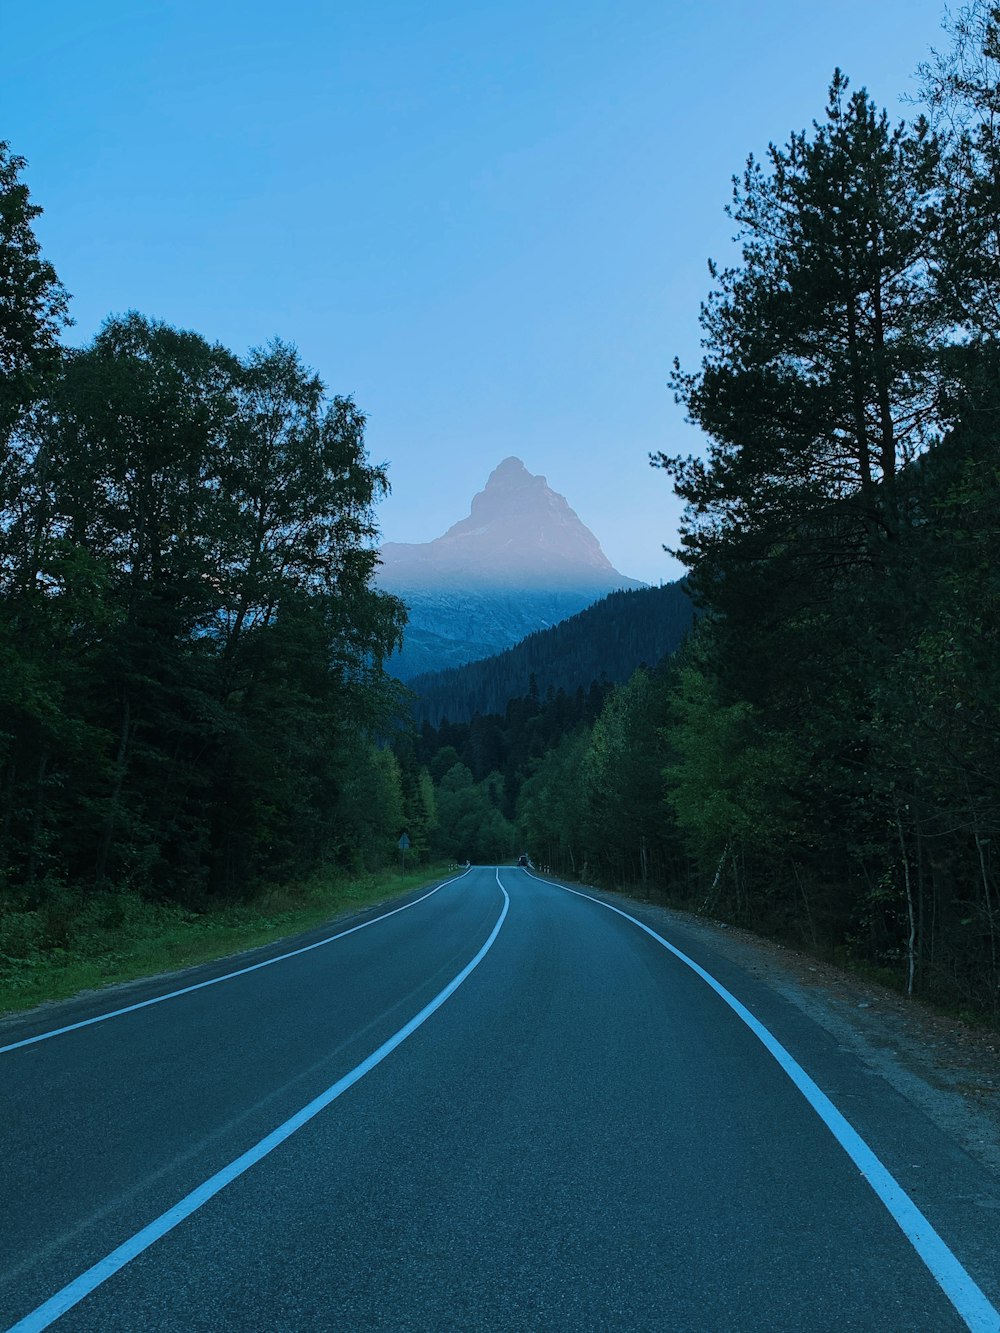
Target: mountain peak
(508,486)
(511,467)
(519,534)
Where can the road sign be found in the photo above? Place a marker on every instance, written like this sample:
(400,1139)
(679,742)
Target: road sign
(404,843)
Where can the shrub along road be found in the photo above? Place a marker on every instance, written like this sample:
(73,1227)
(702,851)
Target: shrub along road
(501,1106)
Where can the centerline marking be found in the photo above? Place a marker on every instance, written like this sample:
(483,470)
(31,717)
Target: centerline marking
(971,1303)
(74,1292)
(228,976)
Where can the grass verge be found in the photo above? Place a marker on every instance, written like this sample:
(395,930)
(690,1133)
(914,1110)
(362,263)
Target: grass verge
(119,937)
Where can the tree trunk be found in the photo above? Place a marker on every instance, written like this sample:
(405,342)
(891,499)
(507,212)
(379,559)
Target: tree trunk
(911,918)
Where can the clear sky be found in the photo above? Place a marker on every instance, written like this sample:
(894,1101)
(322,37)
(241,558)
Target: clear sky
(488,222)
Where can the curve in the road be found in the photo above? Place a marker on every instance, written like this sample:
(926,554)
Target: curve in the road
(46,1314)
(423,1072)
(969,1300)
(228,976)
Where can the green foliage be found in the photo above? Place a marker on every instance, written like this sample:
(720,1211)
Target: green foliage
(369,808)
(471,824)
(960,84)
(191,648)
(33,302)
(499,754)
(833,730)
(550,808)
(113,936)
(820,374)
(621,778)
(711,777)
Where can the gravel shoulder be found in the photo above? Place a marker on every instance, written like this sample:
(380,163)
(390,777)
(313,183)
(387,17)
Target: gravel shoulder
(948,1069)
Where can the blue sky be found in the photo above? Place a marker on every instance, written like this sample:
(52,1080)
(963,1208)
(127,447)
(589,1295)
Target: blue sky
(487,221)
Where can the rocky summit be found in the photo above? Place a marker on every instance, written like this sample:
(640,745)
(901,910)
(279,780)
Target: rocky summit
(521,561)
(519,533)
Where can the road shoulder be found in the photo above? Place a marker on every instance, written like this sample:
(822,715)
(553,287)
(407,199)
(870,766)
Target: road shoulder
(945,1067)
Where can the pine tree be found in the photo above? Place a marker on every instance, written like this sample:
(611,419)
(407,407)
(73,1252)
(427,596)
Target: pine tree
(820,378)
(33,302)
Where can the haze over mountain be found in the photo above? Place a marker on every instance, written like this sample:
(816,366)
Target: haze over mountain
(521,561)
(520,533)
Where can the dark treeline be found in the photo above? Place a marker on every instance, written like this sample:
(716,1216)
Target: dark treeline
(607,640)
(477,768)
(834,727)
(190,646)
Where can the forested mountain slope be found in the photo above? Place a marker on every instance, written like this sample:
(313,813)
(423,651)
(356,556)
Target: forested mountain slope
(609,639)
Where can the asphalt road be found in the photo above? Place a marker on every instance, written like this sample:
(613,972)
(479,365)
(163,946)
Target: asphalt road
(503,1107)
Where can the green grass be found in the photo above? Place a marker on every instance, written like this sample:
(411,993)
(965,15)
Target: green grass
(118,937)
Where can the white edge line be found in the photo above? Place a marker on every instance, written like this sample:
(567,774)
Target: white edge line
(970,1301)
(74,1292)
(228,976)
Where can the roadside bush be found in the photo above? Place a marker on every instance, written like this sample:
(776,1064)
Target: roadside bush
(21,935)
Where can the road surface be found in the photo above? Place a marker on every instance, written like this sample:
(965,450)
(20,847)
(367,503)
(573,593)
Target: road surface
(504,1106)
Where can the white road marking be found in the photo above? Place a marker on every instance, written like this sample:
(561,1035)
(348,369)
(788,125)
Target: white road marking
(215,981)
(969,1300)
(75,1291)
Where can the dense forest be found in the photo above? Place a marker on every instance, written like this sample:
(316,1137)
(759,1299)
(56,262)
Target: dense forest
(822,757)
(478,768)
(834,727)
(191,688)
(192,697)
(606,641)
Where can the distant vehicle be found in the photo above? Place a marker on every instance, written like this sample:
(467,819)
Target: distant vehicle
(524,861)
